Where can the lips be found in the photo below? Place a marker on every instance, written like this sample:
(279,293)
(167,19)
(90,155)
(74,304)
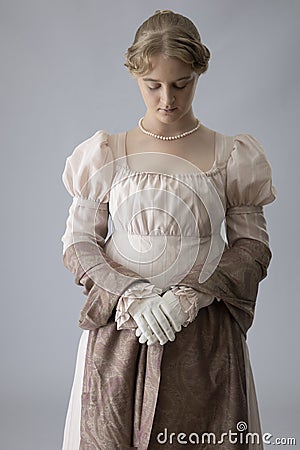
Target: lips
(168,110)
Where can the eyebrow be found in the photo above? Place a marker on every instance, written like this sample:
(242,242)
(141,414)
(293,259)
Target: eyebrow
(157,81)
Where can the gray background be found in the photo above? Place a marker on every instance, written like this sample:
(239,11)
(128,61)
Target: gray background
(62,79)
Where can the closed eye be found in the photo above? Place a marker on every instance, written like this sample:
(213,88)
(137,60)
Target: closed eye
(152,88)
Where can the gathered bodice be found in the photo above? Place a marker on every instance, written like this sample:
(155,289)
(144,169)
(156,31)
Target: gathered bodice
(163,222)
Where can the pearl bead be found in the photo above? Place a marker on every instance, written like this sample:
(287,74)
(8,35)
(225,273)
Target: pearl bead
(167,138)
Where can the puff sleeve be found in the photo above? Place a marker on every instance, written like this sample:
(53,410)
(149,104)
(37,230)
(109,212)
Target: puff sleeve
(248,188)
(246,258)
(87,176)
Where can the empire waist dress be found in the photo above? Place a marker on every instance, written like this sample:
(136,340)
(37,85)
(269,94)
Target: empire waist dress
(128,395)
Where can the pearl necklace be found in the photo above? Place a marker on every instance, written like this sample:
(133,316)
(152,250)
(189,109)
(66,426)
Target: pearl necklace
(168,138)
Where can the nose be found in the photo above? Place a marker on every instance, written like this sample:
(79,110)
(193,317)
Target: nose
(167,97)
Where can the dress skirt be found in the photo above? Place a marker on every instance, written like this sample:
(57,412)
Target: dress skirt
(177,370)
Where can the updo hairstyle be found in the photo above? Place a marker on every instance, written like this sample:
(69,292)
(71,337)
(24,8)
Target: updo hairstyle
(171,34)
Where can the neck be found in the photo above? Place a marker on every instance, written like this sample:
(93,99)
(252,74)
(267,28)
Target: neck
(156,126)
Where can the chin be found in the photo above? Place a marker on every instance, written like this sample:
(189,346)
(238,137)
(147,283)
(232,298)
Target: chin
(169,117)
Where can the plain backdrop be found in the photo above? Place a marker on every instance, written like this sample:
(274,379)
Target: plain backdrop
(62,79)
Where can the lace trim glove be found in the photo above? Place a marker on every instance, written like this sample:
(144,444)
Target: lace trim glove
(191,301)
(176,316)
(136,292)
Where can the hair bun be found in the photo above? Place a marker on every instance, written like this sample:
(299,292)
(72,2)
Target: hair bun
(169,33)
(163,11)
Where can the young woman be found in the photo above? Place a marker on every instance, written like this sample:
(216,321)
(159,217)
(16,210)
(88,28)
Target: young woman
(163,360)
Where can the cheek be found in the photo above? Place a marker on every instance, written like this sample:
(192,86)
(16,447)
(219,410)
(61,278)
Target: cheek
(189,94)
(149,96)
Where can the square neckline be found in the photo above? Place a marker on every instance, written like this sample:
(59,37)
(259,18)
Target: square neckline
(213,168)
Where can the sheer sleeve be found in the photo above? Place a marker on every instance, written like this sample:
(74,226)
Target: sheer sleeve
(87,176)
(249,187)
(246,258)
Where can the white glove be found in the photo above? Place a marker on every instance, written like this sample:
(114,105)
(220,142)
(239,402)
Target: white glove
(151,319)
(171,308)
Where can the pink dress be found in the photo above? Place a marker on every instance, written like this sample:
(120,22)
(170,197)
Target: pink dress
(161,225)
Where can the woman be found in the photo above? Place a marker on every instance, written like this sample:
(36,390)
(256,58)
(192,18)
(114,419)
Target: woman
(163,360)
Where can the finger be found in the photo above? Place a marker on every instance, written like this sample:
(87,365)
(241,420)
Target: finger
(154,340)
(164,323)
(174,321)
(138,332)
(143,339)
(155,328)
(143,326)
(173,310)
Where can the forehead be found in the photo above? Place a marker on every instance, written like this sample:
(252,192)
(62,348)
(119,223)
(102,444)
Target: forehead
(166,68)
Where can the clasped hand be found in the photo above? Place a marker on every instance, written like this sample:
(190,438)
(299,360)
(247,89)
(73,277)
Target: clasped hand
(158,318)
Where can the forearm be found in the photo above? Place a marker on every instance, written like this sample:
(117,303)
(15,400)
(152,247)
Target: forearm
(236,278)
(103,279)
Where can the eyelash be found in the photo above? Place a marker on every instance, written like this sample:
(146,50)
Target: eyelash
(176,87)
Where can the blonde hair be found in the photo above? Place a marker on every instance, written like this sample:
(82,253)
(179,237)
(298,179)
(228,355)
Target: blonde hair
(169,33)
